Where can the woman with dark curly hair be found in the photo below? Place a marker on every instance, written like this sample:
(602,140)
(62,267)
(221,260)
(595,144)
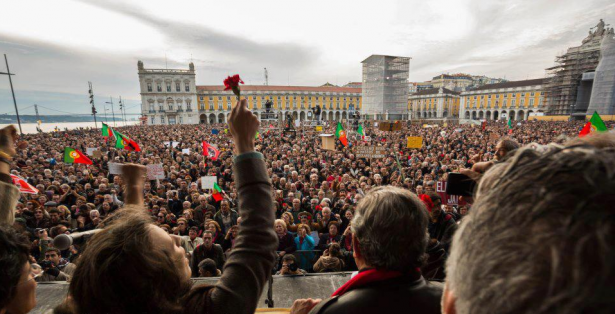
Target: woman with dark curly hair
(17,284)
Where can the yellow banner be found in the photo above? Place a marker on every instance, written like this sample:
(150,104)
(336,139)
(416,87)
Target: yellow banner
(415,142)
(319,128)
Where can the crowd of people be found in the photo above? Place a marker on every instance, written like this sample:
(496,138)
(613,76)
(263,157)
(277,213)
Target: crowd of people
(326,204)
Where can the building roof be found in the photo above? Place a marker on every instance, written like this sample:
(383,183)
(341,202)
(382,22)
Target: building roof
(431,91)
(510,84)
(453,76)
(274,88)
(378,56)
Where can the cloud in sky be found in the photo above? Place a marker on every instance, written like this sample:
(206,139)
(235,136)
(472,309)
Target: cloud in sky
(61,45)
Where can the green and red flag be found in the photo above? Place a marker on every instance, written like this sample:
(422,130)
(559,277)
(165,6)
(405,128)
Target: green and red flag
(106,130)
(341,134)
(595,124)
(73,156)
(510,126)
(123,142)
(361,132)
(210,151)
(217,193)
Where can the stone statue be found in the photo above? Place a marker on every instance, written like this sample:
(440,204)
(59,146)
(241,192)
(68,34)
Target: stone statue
(600,28)
(191,65)
(140,65)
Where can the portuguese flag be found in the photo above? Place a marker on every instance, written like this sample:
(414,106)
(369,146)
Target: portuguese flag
(123,142)
(595,124)
(217,195)
(361,132)
(509,126)
(210,151)
(106,130)
(73,156)
(341,134)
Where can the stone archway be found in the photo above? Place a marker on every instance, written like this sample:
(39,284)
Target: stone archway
(302,116)
(521,115)
(480,115)
(203,119)
(212,118)
(344,116)
(467,115)
(511,115)
(488,115)
(495,115)
(473,115)
(330,115)
(295,115)
(221,118)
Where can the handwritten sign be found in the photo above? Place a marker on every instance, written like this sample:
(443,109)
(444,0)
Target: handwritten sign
(115,168)
(155,171)
(370,151)
(186,151)
(415,142)
(90,151)
(207,182)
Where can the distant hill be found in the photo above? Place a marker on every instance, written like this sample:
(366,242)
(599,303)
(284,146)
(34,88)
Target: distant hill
(7,119)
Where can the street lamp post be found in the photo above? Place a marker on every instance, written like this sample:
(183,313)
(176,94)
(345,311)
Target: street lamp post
(112,111)
(8,73)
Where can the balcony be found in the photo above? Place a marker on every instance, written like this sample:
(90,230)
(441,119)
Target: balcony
(189,110)
(180,110)
(161,110)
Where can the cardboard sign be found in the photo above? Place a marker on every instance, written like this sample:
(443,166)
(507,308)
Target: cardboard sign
(155,171)
(90,151)
(319,128)
(207,182)
(447,199)
(415,142)
(370,152)
(494,137)
(97,154)
(115,168)
(388,126)
(186,151)
(328,141)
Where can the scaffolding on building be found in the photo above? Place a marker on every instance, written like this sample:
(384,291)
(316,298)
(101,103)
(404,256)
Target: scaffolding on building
(385,87)
(564,77)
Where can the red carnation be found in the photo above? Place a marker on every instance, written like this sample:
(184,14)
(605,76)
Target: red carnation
(232,83)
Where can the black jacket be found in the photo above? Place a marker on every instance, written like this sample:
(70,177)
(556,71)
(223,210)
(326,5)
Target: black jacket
(407,294)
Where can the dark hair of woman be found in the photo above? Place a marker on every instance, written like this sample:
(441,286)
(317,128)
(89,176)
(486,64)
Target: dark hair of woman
(14,251)
(125,250)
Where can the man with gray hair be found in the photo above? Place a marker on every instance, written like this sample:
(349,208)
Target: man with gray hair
(540,235)
(389,239)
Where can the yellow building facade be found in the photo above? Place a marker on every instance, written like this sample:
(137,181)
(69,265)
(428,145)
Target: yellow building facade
(517,100)
(336,103)
(434,103)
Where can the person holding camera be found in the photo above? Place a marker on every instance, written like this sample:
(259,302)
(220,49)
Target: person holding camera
(290,266)
(52,267)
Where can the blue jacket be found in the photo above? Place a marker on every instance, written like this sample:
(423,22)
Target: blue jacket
(305,258)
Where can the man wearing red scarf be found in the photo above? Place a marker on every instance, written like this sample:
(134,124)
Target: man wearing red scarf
(389,239)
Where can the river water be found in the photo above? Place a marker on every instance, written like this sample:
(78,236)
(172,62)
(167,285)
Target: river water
(29,128)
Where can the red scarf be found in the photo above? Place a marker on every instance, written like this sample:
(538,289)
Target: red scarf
(366,277)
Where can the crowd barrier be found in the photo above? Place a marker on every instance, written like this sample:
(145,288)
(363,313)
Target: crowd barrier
(286,289)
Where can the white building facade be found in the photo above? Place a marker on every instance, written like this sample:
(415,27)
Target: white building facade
(168,96)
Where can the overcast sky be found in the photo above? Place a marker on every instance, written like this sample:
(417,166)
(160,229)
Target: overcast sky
(56,47)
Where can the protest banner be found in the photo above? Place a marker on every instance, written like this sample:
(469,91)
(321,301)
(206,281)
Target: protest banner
(370,152)
(186,151)
(169,144)
(415,142)
(388,126)
(447,199)
(319,128)
(90,151)
(207,182)
(155,171)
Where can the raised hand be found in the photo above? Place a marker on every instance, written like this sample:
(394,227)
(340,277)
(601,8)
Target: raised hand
(243,125)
